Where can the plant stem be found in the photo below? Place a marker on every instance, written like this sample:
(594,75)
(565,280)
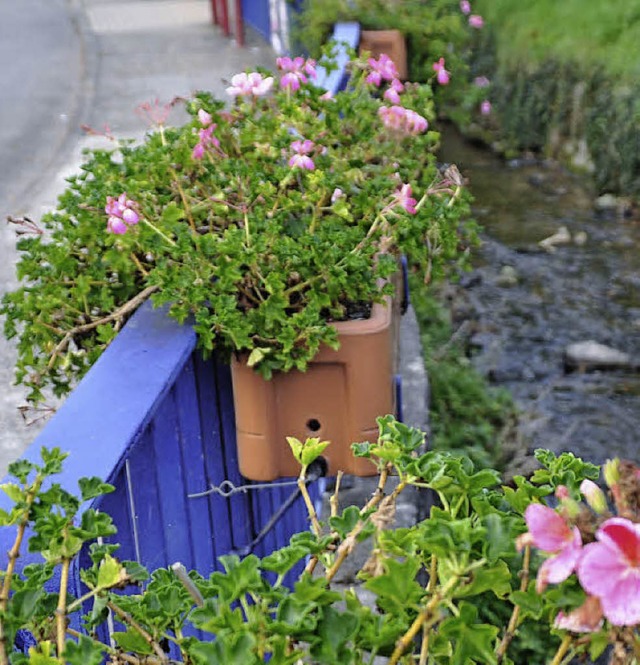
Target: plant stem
(129,620)
(333,501)
(61,610)
(12,556)
(347,545)
(562,650)
(515,615)
(162,234)
(313,516)
(129,306)
(422,618)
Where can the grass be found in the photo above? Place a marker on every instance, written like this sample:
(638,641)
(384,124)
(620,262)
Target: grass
(595,33)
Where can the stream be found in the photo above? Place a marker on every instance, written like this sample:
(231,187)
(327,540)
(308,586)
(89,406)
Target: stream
(522,305)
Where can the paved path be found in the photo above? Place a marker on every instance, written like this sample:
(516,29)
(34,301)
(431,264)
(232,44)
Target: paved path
(65,63)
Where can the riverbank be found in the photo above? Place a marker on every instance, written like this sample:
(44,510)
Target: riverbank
(564,84)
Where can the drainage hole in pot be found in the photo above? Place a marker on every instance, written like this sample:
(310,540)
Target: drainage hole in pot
(313,425)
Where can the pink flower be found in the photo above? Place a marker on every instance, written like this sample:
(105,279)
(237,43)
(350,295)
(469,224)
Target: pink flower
(204,118)
(584,619)
(549,532)
(155,112)
(296,70)
(465,6)
(392,96)
(415,123)
(442,73)
(300,158)
(337,194)
(116,225)
(402,197)
(382,68)
(485,107)
(327,96)
(481,81)
(207,141)
(121,212)
(610,570)
(243,85)
(476,21)
(400,119)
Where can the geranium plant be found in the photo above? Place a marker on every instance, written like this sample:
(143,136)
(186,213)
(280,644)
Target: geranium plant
(264,218)
(459,587)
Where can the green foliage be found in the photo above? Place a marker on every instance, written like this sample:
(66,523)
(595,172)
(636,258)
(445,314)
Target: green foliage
(259,254)
(557,93)
(457,575)
(432,30)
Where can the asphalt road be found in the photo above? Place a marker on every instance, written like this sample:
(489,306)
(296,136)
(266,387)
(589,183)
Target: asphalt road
(42,92)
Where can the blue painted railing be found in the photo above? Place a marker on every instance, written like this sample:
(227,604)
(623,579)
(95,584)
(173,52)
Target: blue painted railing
(157,421)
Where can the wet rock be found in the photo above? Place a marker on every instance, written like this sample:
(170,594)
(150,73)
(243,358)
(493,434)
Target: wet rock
(508,277)
(580,238)
(590,355)
(560,237)
(606,202)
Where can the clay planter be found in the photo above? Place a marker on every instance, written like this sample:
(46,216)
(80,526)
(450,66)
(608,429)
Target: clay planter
(338,399)
(391,42)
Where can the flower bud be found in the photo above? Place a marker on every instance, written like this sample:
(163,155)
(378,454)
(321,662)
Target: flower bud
(611,472)
(569,507)
(594,496)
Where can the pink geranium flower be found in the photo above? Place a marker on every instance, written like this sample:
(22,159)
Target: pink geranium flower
(476,21)
(244,85)
(392,94)
(465,6)
(584,619)
(402,197)
(398,118)
(207,140)
(296,71)
(485,107)
(549,532)
(122,213)
(481,81)
(300,158)
(382,69)
(441,73)
(610,570)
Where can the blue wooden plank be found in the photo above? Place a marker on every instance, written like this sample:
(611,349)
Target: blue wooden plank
(241,533)
(174,525)
(255,13)
(117,505)
(144,492)
(211,430)
(345,35)
(193,465)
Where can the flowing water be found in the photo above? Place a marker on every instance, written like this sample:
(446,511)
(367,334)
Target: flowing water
(523,305)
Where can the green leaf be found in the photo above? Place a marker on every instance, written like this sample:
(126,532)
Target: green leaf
(472,642)
(13,491)
(284,559)
(43,654)
(296,448)
(257,355)
(335,629)
(530,603)
(25,602)
(490,578)
(93,487)
(21,469)
(110,573)
(312,449)
(397,589)
(83,652)
(345,522)
(131,641)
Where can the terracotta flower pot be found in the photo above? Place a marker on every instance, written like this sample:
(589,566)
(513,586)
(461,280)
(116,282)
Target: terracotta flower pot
(391,42)
(338,399)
